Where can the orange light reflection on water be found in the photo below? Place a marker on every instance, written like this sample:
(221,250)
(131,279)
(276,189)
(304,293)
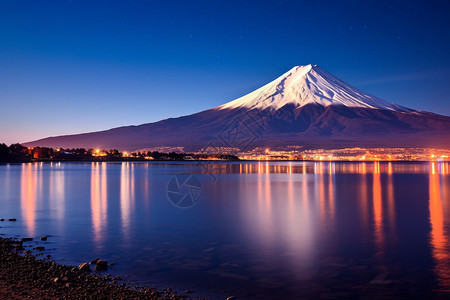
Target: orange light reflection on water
(28,191)
(391,197)
(377,207)
(438,240)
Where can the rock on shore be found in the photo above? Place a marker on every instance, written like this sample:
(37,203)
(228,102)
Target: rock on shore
(24,276)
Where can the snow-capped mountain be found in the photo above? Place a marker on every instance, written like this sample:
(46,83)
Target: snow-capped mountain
(309,84)
(306,107)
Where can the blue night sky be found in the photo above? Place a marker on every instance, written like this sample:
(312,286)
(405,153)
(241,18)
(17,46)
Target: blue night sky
(78,66)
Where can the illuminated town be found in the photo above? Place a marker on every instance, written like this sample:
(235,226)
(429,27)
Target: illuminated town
(345,154)
(349,154)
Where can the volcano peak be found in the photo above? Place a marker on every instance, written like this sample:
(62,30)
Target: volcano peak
(309,84)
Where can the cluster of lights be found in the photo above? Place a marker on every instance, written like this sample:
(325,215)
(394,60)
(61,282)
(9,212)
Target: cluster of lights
(350,154)
(98,153)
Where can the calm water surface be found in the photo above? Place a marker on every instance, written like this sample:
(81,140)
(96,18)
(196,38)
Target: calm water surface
(256,230)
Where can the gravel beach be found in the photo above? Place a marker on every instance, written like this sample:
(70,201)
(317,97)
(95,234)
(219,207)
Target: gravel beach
(25,276)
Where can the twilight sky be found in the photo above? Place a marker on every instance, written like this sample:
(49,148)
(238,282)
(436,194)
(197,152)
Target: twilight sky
(78,66)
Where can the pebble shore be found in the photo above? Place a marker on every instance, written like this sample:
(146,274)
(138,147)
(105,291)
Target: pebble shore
(25,276)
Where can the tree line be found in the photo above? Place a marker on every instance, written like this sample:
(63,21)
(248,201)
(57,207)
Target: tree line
(20,153)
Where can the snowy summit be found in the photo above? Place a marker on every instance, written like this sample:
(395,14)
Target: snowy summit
(308,84)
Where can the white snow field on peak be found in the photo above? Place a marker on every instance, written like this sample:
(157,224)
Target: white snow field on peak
(309,84)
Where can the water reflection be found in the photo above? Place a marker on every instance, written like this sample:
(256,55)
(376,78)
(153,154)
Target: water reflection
(28,192)
(378,208)
(439,208)
(57,193)
(318,167)
(274,223)
(363,196)
(391,198)
(325,192)
(127,196)
(99,200)
(293,212)
(331,191)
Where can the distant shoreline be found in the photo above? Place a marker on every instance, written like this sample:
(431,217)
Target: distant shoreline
(17,153)
(217,161)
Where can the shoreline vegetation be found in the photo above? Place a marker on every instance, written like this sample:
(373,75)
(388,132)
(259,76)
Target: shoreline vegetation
(19,153)
(27,275)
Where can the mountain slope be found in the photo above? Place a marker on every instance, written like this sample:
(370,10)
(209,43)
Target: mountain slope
(309,84)
(306,106)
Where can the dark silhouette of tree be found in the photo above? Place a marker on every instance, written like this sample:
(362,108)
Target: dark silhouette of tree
(19,152)
(4,152)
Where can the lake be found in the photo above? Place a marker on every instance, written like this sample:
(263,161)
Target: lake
(248,229)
